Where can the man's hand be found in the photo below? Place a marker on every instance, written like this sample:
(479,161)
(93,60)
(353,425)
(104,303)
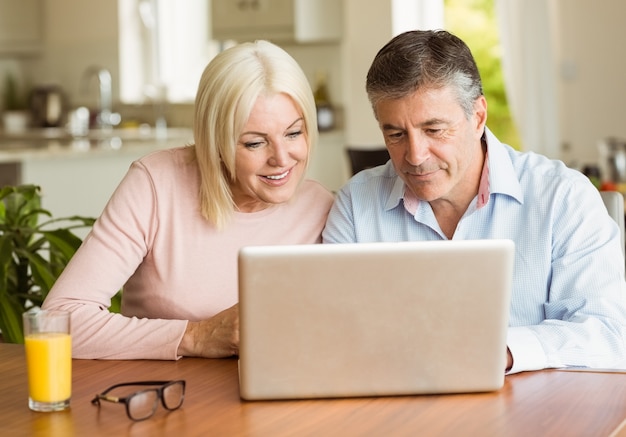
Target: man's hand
(217,337)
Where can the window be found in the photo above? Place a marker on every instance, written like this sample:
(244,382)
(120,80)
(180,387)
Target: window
(474,21)
(416,14)
(164,47)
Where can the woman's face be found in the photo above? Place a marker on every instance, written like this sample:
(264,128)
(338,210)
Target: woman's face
(271,154)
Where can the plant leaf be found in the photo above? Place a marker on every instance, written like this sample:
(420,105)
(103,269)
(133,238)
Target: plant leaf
(10,306)
(6,259)
(64,241)
(11,320)
(42,274)
(32,253)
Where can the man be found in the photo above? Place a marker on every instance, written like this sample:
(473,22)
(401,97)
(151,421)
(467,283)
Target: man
(450,178)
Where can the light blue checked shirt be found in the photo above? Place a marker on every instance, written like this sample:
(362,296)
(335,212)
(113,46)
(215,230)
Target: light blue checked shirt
(568,304)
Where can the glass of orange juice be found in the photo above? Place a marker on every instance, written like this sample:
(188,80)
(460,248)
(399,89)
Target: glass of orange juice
(48,359)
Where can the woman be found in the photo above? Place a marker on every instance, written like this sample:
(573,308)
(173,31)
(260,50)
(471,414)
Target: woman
(171,232)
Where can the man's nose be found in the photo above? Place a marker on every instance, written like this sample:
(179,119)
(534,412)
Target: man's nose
(418,149)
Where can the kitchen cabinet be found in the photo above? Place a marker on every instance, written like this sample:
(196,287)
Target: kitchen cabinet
(20,27)
(80,184)
(280,21)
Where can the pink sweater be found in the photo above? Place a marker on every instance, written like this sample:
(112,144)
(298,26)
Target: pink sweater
(174,266)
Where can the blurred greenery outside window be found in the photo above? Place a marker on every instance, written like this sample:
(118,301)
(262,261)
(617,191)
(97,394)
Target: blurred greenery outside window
(474,21)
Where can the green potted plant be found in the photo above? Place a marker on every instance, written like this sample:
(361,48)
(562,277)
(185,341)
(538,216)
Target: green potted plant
(33,254)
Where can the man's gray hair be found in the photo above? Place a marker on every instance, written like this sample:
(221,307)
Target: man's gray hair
(424,59)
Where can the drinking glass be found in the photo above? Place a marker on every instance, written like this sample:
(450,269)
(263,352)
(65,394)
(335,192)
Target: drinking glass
(48,359)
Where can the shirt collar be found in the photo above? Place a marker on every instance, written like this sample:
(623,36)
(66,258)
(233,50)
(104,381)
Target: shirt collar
(397,193)
(503,178)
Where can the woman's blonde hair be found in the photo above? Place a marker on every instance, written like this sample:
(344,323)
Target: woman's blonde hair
(229,88)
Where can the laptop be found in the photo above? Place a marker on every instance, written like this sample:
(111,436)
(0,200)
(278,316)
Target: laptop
(373,319)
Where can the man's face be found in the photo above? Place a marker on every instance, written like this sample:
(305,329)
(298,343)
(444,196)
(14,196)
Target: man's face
(434,148)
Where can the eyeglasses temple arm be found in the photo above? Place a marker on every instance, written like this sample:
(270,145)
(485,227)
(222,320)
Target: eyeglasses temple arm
(96,400)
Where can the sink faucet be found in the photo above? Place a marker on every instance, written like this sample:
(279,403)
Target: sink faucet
(106,118)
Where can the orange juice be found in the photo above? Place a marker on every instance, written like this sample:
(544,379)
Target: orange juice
(49,363)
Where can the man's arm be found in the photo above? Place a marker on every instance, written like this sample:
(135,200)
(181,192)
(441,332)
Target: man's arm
(340,226)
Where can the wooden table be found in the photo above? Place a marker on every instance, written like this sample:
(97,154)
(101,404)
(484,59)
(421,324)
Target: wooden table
(545,403)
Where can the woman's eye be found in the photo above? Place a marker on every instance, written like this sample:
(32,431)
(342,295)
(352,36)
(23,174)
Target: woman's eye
(253,144)
(295,134)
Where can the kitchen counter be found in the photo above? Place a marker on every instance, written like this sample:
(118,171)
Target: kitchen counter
(329,163)
(55,142)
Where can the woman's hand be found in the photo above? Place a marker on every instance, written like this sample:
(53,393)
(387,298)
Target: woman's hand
(509,359)
(217,337)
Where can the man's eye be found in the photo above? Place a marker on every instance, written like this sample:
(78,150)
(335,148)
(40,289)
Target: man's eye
(395,135)
(434,132)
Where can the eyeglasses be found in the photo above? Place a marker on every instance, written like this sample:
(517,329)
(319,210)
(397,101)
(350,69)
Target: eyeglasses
(142,404)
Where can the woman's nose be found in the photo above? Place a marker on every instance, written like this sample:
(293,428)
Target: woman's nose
(279,154)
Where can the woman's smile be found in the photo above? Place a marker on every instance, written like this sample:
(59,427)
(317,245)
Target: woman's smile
(278,176)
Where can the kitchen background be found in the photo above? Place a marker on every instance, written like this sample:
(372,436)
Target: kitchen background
(56,42)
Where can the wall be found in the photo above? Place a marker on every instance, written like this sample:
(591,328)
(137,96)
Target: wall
(368,26)
(593,75)
(77,34)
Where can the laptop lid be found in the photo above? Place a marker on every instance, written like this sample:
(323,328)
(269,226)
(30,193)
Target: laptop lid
(373,319)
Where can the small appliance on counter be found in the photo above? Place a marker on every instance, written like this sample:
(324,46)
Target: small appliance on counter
(48,106)
(612,164)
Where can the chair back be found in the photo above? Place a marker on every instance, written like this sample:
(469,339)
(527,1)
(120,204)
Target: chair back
(614,203)
(362,158)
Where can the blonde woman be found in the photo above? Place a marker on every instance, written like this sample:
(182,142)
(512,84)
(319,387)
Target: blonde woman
(171,231)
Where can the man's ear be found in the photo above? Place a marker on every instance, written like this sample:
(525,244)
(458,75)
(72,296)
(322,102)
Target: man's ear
(480,114)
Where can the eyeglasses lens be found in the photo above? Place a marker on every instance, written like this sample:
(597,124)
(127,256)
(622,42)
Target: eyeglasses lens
(173,395)
(143,404)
